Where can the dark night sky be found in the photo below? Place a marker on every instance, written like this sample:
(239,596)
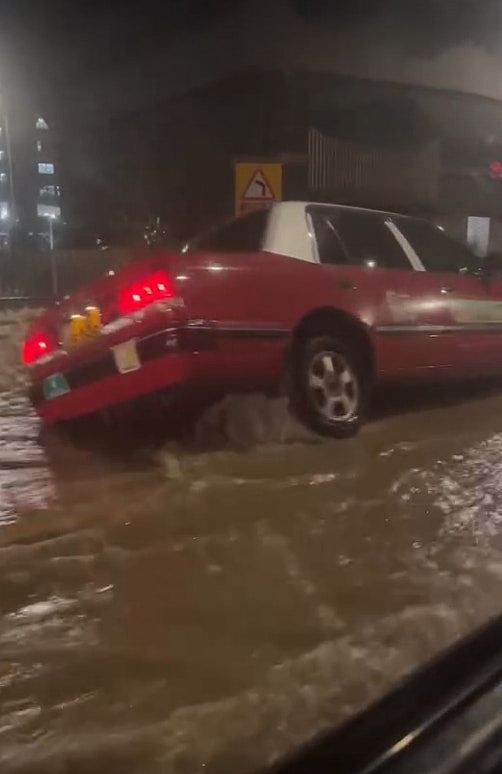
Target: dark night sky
(52,52)
(51,44)
(48,46)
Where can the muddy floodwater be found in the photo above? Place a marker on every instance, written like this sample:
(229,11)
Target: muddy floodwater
(207,608)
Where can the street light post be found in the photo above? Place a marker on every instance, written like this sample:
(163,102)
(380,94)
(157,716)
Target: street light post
(54,268)
(10,213)
(13,212)
(51,232)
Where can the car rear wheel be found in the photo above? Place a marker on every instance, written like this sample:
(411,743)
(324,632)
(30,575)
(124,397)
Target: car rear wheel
(329,388)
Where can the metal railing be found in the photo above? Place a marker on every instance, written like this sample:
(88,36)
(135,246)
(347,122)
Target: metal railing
(29,279)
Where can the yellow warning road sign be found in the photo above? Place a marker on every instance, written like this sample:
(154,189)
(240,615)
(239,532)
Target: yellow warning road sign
(257,185)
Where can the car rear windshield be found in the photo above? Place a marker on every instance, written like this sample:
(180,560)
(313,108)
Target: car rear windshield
(244,234)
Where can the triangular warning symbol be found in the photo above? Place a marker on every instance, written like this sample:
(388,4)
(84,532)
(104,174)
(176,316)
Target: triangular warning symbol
(258,188)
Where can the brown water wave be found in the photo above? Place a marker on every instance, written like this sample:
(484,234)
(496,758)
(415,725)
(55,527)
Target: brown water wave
(208,608)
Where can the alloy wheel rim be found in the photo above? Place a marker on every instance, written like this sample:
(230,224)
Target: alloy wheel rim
(333,387)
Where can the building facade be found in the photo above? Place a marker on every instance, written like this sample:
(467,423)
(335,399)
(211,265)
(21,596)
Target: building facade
(45,197)
(5,185)
(165,131)
(30,186)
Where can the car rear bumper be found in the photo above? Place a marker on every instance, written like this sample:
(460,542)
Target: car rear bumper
(97,384)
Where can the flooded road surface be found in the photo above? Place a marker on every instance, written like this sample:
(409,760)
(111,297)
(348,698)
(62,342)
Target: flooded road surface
(188,611)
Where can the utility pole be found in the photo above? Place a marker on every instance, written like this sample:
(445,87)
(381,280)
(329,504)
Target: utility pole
(51,233)
(54,268)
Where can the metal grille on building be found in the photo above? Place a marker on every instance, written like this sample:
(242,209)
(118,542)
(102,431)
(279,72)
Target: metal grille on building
(376,175)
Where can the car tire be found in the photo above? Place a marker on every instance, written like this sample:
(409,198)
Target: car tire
(329,385)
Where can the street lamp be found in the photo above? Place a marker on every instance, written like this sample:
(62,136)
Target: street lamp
(51,214)
(51,217)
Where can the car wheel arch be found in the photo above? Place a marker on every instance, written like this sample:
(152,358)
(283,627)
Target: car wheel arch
(329,320)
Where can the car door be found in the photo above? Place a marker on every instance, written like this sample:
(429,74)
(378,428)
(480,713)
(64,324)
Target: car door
(492,281)
(222,283)
(466,316)
(373,268)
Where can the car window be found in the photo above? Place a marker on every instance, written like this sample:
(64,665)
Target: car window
(436,250)
(369,241)
(329,243)
(357,238)
(243,234)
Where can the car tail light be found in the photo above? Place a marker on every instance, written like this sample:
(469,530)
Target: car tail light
(153,287)
(36,346)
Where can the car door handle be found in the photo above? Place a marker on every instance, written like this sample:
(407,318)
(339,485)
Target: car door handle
(346,283)
(445,290)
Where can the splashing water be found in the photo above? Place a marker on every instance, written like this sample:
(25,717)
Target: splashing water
(213,606)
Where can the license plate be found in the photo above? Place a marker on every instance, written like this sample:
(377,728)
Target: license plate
(126,357)
(55,385)
(82,327)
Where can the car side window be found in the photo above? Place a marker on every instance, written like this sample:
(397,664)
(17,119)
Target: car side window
(330,246)
(243,234)
(356,238)
(436,250)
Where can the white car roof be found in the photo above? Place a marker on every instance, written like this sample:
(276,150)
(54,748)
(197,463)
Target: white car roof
(288,232)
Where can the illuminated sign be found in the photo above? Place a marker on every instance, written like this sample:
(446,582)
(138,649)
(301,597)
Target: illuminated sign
(495,170)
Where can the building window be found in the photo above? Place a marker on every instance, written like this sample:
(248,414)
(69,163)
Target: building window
(46,169)
(4,210)
(2,155)
(3,177)
(48,211)
(41,124)
(39,146)
(48,191)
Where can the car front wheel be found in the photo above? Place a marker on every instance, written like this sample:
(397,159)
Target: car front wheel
(329,388)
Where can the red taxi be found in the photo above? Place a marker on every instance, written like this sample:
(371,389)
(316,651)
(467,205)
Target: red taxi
(320,300)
